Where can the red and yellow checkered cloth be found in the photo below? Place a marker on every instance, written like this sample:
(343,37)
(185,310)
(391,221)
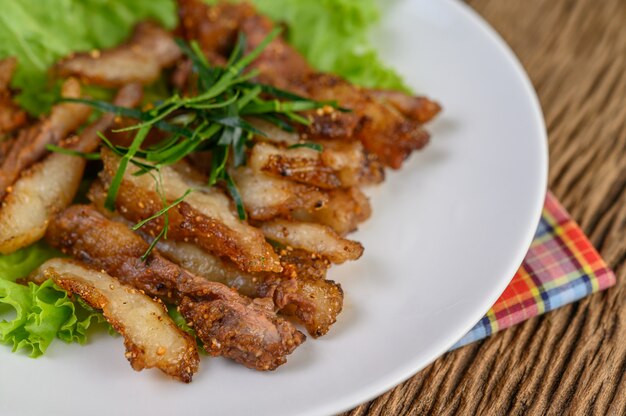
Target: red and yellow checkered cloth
(561,267)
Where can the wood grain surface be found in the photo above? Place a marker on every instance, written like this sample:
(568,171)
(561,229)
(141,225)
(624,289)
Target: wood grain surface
(572,360)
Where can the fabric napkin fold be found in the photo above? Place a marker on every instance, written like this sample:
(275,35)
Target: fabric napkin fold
(561,267)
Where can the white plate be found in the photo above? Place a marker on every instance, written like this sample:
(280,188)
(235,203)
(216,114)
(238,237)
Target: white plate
(448,233)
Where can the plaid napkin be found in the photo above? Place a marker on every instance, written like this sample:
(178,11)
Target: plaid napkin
(561,267)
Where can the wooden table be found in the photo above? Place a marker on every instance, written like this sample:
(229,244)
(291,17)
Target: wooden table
(572,360)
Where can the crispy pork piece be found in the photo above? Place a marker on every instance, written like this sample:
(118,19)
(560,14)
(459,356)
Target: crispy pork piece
(314,238)
(230,325)
(345,210)
(300,263)
(338,165)
(279,62)
(215,28)
(206,216)
(141,59)
(11,116)
(151,338)
(41,192)
(381,128)
(51,185)
(30,145)
(266,197)
(302,165)
(347,159)
(5,147)
(300,290)
(420,109)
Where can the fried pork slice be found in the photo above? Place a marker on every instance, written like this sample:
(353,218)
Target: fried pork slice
(420,109)
(5,147)
(30,145)
(314,238)
(230,325)
(51,185)
(11,116)
(338,165)
(205,217)
(302,165)
(41,192)
(215,28)
(344,211)
(151,338)
(141,59)
(266,197)
(300,290)
(381,128)
(217,35)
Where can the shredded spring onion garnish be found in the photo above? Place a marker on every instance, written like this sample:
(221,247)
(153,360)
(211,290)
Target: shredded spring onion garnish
(214,120)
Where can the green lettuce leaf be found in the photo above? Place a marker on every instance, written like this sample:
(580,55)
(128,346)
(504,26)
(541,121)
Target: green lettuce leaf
(41,313)
(39,32)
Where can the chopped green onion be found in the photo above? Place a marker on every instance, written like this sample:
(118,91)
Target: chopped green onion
(213,120)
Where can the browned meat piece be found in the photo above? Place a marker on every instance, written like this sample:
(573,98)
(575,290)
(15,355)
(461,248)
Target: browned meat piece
(5,147)
(229,324)
(381,128)
(339,164)
(30,145)
(51,185)
(347,159)
(42,191)
(151,338)
(141,59)
(279,63)
(300,263)
(266,197)
(301,165)
(314,238)
(373,171)
(345,210)
(215,27)
(206,216)
(11,116)
(420,109)
(300,290)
